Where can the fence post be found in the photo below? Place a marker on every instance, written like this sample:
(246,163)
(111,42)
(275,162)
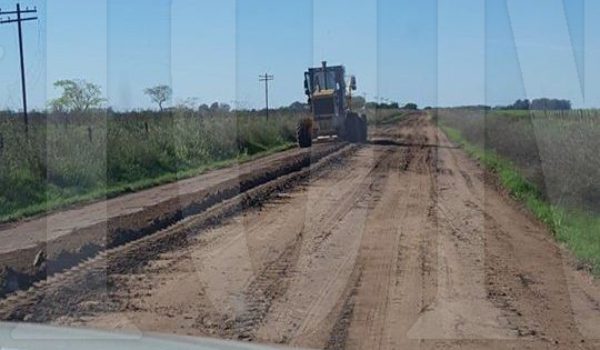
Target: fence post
(1,143)
(146,126)
(90,133)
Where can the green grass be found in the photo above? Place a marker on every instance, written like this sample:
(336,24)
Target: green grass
(579,231)
(61,201)
(60,165)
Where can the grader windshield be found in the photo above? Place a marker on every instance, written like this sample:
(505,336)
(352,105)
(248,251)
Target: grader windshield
(325,88)
(324,81)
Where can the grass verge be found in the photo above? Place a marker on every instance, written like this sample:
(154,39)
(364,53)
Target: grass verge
(579,231)
(56,202)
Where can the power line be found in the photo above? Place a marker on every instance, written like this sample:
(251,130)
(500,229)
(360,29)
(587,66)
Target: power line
(266,78)
(19,20)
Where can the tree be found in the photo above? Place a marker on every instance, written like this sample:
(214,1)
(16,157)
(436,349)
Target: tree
(224,107)
(159,94)
(411,106)
(551,104)
(371,105)
(217,107)
(298,106)
(203,108)
(539,104)
(78,96)
(522,104)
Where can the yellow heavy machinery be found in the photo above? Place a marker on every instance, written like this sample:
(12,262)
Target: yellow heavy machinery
(330,97)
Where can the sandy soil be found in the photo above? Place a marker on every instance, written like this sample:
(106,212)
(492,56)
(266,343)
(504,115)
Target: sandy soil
(403,245)
(66,237)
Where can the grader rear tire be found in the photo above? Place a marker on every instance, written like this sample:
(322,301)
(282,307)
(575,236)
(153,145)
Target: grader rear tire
(352,128)
(363,129)
(304,133)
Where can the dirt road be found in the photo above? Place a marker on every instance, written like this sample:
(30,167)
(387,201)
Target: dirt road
(402,245)
(67,237)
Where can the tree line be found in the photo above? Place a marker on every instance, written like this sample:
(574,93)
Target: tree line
(546,104)
(79,96)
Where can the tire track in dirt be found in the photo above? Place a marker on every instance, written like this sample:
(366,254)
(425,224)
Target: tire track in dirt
(92,280)
(121,284)
(390,267)
(392,249)
(299,317)
(459,310)
(338,336)
(269,285)
(64,239)
(288,260)
(370,195)
(522,269)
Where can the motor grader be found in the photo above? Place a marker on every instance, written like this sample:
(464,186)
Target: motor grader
(330,100)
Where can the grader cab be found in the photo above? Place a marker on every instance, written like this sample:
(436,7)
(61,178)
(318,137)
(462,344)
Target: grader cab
(330,97)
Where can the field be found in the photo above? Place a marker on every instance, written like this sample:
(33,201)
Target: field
(549,160)
(74,158)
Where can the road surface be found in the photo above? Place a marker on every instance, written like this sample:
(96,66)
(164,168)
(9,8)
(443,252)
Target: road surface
(402,245)
(67,236)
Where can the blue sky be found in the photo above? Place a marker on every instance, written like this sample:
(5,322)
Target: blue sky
(432,52)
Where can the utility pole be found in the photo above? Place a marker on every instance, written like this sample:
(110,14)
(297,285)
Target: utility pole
(266,78)
(19,20)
